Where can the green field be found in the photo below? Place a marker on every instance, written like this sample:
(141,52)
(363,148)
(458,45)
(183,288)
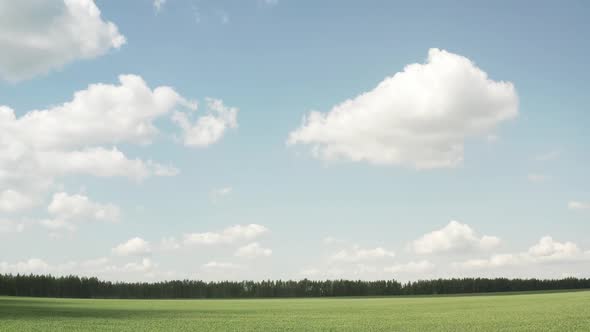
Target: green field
(566,311)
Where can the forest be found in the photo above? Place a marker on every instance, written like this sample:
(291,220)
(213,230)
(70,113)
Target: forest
(83,287)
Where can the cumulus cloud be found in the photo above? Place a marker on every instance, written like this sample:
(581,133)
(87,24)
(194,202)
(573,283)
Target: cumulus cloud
(575,205)
(69,138)
(411,267)
(229,235)
(68,210)
(253,250)
(208,128)
(453,237)
(12,201)
(419,117)
(547,250)
(357,254)
(37,36)
(133,247)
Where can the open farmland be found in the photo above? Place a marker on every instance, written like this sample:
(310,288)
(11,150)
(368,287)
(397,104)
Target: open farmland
(563,311)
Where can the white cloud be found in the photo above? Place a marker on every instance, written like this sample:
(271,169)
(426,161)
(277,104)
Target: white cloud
(67,210)
(133,247)
(575,205)
(453,238)
(12,201)
(253,250)
(69,138)
(10,226)
(545,251)
(143,270)
(411,267)
(357,254)
(549,249)
(209,128)
(221,265)
(33,265)
(228,235)
(537,178)
(420,117)
(158,5)
(497,260)
(38,36)
(145,265)
(216,194)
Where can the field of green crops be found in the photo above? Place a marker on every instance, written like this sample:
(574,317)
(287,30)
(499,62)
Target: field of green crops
(567,311)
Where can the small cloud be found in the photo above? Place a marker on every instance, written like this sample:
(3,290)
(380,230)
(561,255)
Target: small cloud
(158,5)
(537,178)
(357,254)
(227,235)
(575,205)
(253,250)
(454,237)
(551,155)
(133,247)
(217,194)
(221,265)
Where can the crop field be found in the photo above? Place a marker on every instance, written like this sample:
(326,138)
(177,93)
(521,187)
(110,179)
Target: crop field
(565,311)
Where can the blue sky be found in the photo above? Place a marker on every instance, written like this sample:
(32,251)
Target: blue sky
(242,198)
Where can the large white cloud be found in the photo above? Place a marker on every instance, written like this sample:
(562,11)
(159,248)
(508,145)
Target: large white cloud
(37,36)
(419,117)
(70,138)
(453,237)
(69,210)
(228,235)
(133,247)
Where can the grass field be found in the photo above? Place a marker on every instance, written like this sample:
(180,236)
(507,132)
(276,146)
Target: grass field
(566,311)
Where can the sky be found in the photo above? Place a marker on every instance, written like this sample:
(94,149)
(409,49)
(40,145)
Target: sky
(255,139)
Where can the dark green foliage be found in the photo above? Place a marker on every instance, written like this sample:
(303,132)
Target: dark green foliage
(76,287)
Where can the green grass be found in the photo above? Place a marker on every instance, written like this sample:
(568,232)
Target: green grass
(567,311)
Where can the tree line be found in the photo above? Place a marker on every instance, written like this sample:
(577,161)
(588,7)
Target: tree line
(83,287)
